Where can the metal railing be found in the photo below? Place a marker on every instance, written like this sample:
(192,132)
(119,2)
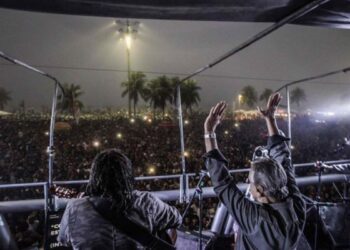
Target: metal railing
(167,195)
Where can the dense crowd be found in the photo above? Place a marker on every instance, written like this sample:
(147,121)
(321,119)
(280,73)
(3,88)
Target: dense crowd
(153,145)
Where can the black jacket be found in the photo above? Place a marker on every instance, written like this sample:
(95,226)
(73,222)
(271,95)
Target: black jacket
(82,227)
(262,226)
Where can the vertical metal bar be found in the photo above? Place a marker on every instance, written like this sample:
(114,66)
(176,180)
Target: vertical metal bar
(46,211)
(289,117)
(184,182)
(46,197)
(50,149)
(129,78)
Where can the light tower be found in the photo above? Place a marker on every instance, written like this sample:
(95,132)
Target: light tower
(128,30)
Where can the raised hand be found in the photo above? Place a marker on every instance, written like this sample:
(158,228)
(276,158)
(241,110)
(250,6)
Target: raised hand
(271,106)
(215,116)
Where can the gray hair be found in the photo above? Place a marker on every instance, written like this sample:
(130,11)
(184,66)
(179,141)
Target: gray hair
(270,175)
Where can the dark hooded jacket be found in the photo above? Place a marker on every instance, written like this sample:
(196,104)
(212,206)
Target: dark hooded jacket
(83,227)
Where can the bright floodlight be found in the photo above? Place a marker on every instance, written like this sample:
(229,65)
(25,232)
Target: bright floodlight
(128,41)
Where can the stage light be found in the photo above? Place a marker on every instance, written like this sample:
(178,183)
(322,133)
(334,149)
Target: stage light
(145,118)
(236,125)
(149,120)
(96,144)
(132,120)
(292,147)
(226,132)
(186,122)
(186,154)
(119,135)
(47,133)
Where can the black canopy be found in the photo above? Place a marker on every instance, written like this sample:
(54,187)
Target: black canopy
(335,13)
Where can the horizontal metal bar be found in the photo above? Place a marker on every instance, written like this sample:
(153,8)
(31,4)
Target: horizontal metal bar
(141,178)
(311,164)
(22,185)
(168,195)
(70,182)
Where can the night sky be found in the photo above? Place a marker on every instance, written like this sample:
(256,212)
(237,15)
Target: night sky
(88,51)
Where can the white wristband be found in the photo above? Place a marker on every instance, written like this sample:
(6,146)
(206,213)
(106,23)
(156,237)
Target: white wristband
(210,136)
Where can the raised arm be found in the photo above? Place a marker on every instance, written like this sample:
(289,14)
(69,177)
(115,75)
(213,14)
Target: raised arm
(214,118)
(279,151)
(245,212)
(269,113)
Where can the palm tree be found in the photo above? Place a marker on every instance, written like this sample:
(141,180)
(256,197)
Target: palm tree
(134,89)
(189,94)
(265,95)
(4,97)
(69,101)
(159,92)
(297,96)
(249,96)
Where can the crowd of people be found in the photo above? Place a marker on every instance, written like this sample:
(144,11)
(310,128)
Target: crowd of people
(153,145)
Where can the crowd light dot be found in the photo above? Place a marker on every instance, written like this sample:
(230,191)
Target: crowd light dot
(151,170)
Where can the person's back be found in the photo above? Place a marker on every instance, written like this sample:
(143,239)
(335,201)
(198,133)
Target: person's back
(83,227)
(92,222)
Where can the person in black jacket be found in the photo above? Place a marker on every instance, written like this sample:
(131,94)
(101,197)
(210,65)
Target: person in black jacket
(91,222)
(276,217)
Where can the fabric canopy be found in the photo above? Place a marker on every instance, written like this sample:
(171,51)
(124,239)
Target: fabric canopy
(335,13)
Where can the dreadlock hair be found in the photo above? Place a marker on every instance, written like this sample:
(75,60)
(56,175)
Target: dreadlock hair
(271,176)
(111,177)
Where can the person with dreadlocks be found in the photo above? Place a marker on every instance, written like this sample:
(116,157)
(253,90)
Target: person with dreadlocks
(106,217)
